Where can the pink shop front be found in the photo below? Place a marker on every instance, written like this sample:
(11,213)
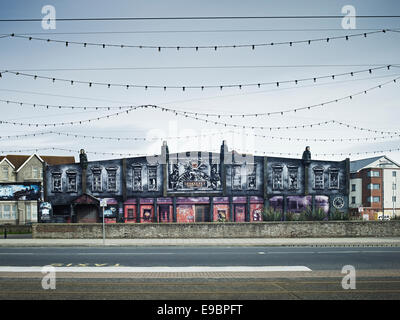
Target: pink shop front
(193,209)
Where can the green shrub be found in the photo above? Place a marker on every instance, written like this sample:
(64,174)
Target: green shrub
(309,215)
(291,216)
(272,215)
(339,215)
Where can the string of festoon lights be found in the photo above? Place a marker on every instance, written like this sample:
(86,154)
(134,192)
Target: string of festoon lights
(265,153)
(188,114)
(201,135)
(202,87)
(71,122)
(73,151)
(252,46)
(77,135)
(255,152)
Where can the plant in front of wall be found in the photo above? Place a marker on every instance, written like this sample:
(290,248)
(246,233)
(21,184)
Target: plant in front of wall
(291,216)
(271,214)
(339,215)
(319,215)
(306,215)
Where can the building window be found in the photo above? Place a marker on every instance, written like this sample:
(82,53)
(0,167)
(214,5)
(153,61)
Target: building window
(374,199)
(393,198)
(318,177)
(373,186)
(56,181)
(394,186)
(152,178)
(35,173)
(293,173)
(6,211)
(353,200)
(237,177)
(14,211)
(353,187)
(251,177)
(28,212)
(112,179)
(393,173)
(137,178)
(333,178)
(373,174)
(4,172)
(96,179)
(71,181)
(277,177)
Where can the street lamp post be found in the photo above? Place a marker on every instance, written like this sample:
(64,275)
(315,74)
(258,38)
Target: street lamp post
(103,203)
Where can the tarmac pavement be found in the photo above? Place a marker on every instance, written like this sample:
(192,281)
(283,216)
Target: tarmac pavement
(289,242)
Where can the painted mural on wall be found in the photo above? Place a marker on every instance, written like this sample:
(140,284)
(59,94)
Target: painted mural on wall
(240,213)
(185,213)
(322,202)
(165,213)
(193,174)
(256,210)
(221,213)
(298,204)
(20,191)
(146,213)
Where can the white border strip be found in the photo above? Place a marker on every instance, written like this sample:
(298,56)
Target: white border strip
(160,269)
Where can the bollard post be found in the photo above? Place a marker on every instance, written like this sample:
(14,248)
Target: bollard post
(5,232)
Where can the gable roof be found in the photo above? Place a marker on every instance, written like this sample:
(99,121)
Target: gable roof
(2,158)
(19,160)
(357,165)
(27,160)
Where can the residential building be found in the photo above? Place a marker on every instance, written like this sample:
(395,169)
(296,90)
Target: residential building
(21,178)
(374,187)
(194,187)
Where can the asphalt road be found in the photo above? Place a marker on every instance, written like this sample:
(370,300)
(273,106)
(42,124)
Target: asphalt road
(377,273)
(316,258)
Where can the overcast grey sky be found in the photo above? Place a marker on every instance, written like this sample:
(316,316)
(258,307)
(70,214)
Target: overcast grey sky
(378,110)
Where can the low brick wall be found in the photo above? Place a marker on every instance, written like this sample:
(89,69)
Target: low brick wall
(16,228)
(315,229)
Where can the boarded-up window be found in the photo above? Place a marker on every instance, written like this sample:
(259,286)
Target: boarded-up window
(152,177)
(137,178)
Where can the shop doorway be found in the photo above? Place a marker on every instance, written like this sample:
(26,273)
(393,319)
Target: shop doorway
(86,213)
(202,213)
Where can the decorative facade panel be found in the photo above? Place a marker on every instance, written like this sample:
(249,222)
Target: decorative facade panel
(193,175)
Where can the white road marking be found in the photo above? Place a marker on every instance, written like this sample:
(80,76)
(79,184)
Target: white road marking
(161,269)
(123,253)
(16,253)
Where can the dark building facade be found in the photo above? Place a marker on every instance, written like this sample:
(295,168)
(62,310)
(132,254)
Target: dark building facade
(194,187)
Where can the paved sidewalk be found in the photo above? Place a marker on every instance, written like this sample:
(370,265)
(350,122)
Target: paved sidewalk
(351,242)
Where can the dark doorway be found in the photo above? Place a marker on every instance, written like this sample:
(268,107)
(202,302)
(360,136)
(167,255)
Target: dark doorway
(202,213)
(87,213)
